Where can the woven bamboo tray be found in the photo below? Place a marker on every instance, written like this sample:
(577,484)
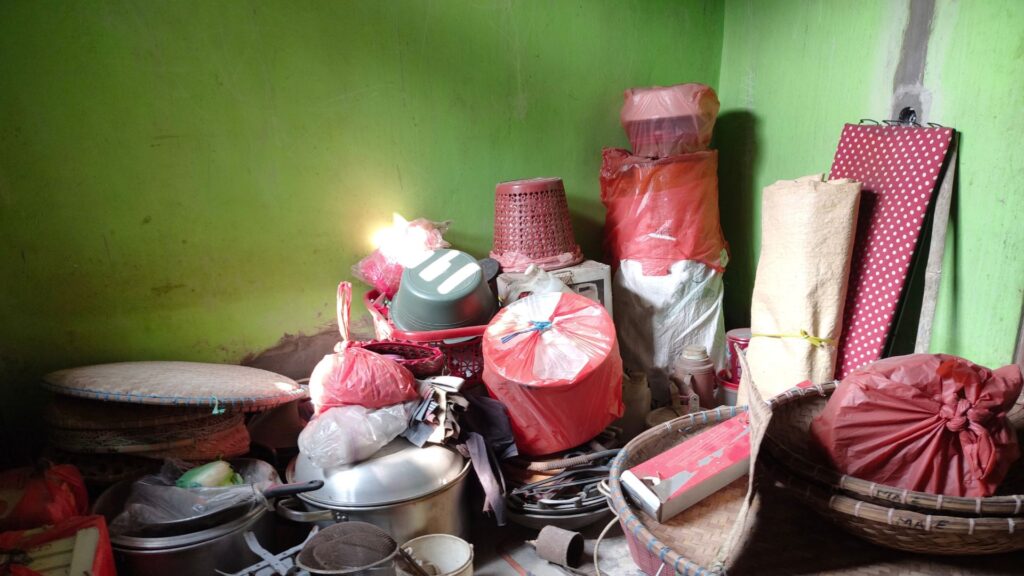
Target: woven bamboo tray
(904,529)
(692,540)
(788,440)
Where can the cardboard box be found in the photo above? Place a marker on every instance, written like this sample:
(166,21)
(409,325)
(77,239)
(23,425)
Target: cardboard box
(691,471)
(588,278)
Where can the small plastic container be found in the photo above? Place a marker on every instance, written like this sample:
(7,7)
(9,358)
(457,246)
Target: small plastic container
(728,392)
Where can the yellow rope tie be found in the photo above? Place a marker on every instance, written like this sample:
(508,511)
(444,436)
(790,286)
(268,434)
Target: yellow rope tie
(803,335)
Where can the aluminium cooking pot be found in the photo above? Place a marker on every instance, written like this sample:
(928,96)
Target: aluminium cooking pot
(214,543)
(405,490)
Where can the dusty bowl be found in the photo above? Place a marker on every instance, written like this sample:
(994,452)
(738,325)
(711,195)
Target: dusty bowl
(447,290)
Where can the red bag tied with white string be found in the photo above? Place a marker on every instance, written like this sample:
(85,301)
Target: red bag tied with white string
(926,422)
(356,376)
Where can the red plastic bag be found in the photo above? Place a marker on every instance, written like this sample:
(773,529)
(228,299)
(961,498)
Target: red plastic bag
(553,360)
(659,212)
(666,120)
(28,540)
(356,376)
(925,422)
(30,497)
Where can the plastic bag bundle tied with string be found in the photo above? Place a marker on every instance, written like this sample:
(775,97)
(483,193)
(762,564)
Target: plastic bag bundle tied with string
(926,422)
(553,360)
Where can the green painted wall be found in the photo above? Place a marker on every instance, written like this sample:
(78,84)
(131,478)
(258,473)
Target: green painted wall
(793,71)
(190,179)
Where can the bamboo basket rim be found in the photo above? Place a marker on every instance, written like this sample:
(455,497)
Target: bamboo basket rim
(899,518)
(623,509)
(1004,505)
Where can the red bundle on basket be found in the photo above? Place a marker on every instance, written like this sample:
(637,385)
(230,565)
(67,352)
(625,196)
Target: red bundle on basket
(30,498)
(925,422)
(357,376)
(553,360)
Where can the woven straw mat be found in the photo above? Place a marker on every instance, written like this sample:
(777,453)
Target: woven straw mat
(177,384)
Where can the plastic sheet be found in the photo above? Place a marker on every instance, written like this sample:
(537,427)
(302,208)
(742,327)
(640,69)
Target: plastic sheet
(350,434)
(29,541)
(355,376)
(553,360)
(659,212)
(658,316)
(31,497)
(534,280)
(925,422)
(666,120)
(155,501)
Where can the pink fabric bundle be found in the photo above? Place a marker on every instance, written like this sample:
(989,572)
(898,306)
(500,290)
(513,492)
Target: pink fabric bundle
(926,422)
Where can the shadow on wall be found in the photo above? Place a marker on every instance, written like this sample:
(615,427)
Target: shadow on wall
(738,147)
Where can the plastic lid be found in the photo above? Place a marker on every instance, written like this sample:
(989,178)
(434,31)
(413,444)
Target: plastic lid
(398,472)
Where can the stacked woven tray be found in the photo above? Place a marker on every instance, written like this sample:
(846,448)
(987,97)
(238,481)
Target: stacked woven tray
(887,515)
(116,420)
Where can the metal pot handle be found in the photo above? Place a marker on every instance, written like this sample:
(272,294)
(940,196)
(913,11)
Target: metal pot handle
(291,509)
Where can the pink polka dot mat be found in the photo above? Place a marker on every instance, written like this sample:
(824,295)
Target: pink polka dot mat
(898,167)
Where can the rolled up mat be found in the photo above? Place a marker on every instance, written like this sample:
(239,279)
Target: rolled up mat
(807,233)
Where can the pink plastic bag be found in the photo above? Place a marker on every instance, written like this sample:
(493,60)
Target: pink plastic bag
(659,212)
(356,376)
(666,120)
(553,360)
(925,422)
(400,246)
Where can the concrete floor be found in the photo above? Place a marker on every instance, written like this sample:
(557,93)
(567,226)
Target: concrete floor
(494,547)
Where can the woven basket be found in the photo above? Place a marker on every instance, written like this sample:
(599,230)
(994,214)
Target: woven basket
(788,440)
(531,225)
(689,542)
(211,437)
(903,529)
(422,360)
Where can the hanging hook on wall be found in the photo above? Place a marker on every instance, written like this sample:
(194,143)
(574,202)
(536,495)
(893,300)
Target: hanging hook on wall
(907,118)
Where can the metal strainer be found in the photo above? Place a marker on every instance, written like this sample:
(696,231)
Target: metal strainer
(353,548)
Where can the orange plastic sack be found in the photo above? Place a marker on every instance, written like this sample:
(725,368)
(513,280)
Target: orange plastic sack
(659,212)
(28,541)
(925,422)
(553,360)
(356,376)
(666,120)
(30,497)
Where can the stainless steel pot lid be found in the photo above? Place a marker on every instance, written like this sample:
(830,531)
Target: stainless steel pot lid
(398,472)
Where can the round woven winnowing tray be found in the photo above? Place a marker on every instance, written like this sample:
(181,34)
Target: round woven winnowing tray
(148,439)
(72,413)
(104,469)
(177,384)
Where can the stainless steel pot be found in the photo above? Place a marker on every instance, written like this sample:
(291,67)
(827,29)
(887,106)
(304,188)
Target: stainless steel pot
(405,490)
(222,547)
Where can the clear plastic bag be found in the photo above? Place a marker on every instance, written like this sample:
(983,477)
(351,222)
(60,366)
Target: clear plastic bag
(350,434)
(666,120)
(533,280)
(156,506)
(553,360)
